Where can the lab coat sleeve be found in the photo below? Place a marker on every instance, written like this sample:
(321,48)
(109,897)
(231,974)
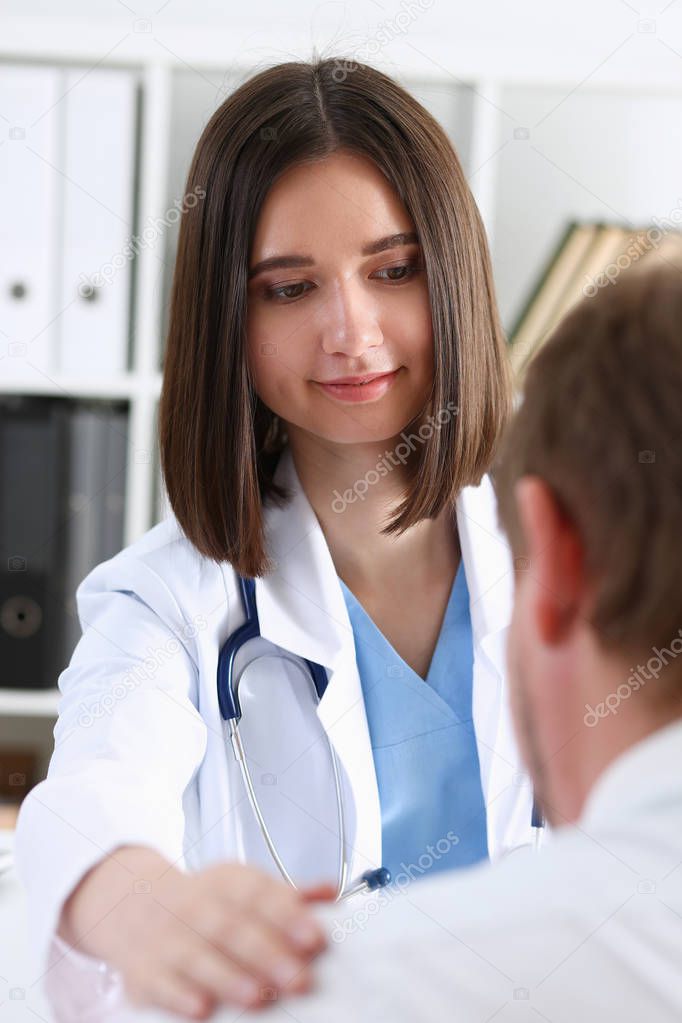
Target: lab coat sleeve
(128,741)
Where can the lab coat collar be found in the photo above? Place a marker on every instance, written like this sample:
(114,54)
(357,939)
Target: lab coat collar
(487,559)
(301,605)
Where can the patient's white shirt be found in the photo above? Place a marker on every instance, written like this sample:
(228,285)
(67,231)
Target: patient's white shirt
(588,929)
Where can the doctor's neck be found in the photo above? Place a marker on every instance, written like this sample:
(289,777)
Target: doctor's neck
(353,504)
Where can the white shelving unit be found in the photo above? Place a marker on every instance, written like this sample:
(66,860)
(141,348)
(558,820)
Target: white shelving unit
(582,125)
(28,703)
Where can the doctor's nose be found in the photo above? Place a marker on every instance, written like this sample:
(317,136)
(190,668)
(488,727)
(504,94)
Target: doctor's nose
(350,323)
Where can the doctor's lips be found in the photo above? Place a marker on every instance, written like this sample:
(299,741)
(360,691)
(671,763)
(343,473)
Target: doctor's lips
(359,388)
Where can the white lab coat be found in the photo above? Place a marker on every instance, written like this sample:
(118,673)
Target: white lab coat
(140,747)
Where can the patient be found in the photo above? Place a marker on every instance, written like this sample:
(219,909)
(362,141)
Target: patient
(589,481)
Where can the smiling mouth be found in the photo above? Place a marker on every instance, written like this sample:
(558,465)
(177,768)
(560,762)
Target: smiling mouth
(360,389)
(356,381)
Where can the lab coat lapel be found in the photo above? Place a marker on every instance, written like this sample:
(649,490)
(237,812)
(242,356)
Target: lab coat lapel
(489,571)
(302,609)
(300,604)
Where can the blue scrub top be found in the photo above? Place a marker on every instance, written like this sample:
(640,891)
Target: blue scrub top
(433,814)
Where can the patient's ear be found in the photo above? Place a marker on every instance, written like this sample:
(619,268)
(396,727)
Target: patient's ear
(555,559)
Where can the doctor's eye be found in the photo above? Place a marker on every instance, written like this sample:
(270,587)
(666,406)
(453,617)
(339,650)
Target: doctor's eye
(411,268)
(286,294)
(278,294)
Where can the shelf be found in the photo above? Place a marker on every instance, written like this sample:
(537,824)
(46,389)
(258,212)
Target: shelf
(65,385)
(39,703)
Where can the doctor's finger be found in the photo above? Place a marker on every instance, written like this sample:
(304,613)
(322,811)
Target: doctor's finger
(291,918)
(275,903)
(230,980)
(170,990)
(220,980)
(319,893)
(263,953)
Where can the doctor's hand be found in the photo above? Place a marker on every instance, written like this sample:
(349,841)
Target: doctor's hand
(187,942)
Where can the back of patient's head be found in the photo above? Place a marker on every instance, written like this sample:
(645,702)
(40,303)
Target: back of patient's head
(600,421)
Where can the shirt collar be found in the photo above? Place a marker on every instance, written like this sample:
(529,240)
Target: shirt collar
(646,773)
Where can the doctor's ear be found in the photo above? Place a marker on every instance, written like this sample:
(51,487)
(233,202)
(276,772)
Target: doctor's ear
(555,558)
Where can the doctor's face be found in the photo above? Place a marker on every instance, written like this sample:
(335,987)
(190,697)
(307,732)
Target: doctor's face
(343,294)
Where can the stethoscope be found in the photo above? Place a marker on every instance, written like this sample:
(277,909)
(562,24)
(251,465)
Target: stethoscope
(230,709)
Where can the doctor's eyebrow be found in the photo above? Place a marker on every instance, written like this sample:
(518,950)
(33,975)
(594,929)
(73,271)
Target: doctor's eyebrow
(390,241)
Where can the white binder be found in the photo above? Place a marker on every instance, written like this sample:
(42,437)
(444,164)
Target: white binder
(29,219)
(98,244)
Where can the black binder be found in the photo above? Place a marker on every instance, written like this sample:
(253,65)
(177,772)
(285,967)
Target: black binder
(32,466)
(48,541)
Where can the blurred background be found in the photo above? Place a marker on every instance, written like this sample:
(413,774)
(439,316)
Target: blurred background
(567,119)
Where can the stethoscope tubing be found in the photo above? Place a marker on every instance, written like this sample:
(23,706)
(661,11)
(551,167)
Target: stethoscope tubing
(240,756)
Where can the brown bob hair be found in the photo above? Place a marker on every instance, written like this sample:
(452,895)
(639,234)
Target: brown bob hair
(219,444)
(600,423)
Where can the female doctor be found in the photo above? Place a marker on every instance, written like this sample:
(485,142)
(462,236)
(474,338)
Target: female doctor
(335,382)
